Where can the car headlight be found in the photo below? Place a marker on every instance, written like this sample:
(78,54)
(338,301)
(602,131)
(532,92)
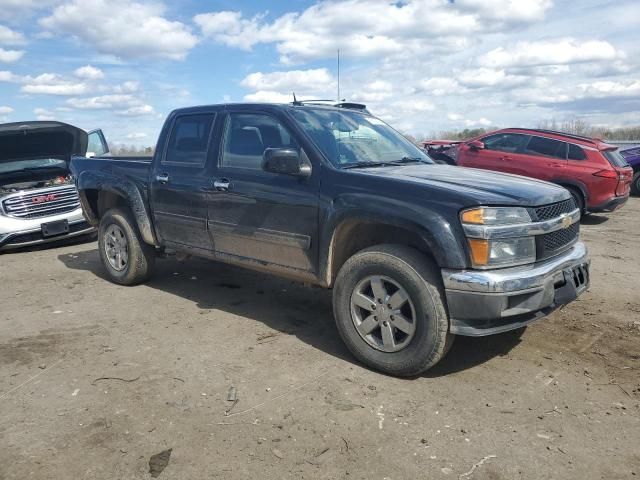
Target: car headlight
(496,216)
(497,252)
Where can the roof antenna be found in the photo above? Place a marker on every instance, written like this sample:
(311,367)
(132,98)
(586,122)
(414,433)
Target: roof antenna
(295,100)
(338,74)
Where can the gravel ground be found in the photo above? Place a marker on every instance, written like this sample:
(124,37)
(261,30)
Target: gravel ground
(96,379)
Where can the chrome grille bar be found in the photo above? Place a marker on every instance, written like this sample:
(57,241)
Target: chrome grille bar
(41,202)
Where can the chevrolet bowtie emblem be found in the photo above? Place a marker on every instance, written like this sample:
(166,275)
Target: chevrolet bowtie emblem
(566,221)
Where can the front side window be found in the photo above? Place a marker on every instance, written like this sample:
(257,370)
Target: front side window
(248,135)
(189,139)
(546,147)
(349,137)
(505,142)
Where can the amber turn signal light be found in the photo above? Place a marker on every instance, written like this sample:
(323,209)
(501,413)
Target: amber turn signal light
(479,251)
(475,216)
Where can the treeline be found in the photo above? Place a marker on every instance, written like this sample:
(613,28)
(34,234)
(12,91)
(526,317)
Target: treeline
(122,150)
(575,127)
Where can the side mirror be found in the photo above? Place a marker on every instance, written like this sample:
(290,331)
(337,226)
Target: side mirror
(476,145)
(285,161)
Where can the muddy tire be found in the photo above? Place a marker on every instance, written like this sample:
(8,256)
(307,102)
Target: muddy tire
(125,256)
(389,307)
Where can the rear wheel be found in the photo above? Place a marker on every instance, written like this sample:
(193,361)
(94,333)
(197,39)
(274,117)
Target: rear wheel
(388,302)
(126,258)
(578,198)
(635,185)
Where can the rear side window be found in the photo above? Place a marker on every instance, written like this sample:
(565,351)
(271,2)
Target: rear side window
(576,153)
(248,135)
(505,142)
(615,158)
(189,140)
(546,147)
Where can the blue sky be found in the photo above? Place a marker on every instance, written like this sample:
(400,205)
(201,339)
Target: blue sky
(422,65)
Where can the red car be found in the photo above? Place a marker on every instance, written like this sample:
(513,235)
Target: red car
(595,173)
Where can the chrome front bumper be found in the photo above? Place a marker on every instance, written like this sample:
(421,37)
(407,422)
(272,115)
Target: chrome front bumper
(18,232)
(493,301)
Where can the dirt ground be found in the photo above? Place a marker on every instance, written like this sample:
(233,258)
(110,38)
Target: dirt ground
(95,379)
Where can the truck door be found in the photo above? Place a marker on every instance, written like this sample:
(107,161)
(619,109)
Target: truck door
(258,215)
(180,182)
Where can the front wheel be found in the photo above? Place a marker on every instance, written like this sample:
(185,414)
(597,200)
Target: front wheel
(127,259)
(388,303)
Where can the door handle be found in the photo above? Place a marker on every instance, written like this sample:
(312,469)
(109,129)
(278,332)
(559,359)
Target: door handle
(162,178)
(506,158)
(221,185)
(556,165)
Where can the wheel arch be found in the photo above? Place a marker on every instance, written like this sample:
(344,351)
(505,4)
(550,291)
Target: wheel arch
(97,195)
(357,233)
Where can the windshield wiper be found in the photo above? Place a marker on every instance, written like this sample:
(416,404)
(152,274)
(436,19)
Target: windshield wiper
(367,164)
(408,160)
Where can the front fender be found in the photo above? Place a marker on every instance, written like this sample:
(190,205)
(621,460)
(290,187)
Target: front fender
(127,190)
(442,239)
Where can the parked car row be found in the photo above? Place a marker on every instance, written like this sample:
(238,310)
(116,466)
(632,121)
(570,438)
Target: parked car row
(596,174)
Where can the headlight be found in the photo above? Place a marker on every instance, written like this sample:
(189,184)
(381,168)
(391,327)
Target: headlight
(502,252)
(496,216)
(497,252)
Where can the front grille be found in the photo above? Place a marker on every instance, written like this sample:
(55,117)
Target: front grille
(554,210)
(41,203)
(553,243)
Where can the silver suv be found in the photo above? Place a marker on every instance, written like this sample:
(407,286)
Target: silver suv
(39,202)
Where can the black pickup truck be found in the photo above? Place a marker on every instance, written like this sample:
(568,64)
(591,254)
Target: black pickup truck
(415,253)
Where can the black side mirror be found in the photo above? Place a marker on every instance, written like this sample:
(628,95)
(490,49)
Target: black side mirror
(285,161)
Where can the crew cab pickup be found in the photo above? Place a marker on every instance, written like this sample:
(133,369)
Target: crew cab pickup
(415,253)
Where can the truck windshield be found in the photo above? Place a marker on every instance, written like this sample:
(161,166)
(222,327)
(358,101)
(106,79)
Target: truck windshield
(352,138)
(31,164)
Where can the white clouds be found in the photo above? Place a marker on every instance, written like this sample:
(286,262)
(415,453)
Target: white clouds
(137,111)
(6,76)
(278,86)
(43,114)
(366,28)
(10,37)
(487,77)
(264,96)
(608,88)
(10,56)
(315,79)
(90,73)
(121,104)
(102,102)
(550,52)
(4,110)
(52,84)
(122,28)
(61,89)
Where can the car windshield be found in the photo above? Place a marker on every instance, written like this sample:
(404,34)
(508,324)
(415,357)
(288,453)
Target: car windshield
(31,164)
(349,138)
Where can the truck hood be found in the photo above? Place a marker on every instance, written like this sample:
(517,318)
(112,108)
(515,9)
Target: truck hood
(481,186)
(25,140)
